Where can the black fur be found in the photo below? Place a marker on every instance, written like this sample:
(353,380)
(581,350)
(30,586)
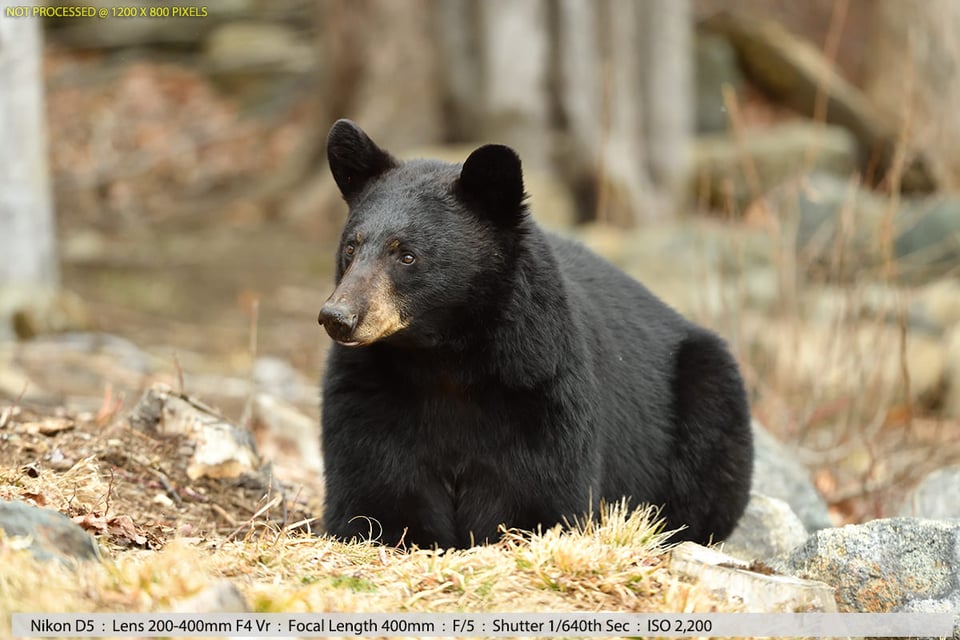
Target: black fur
(529,380)
(354,158)
(492,182)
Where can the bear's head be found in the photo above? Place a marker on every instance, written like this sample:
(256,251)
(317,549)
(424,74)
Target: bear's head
(427,247)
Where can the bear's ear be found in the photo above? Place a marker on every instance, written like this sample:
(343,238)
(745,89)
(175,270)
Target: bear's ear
(492,179)
(354,158)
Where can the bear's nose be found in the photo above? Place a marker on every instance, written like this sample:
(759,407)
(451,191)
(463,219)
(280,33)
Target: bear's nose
(338,319)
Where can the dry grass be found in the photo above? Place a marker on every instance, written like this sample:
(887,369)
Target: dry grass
(835,368)
(613,564)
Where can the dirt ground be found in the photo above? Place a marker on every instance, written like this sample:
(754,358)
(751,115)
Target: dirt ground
(131,488)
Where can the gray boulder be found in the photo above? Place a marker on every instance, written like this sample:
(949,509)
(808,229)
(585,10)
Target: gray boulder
(937,496)
(779,474)
(768,528)
(831,213)
(699,267)
(928,236)
(776,155)
(257,47)
(819,206)
(890,565)
(794,72)
(53,536)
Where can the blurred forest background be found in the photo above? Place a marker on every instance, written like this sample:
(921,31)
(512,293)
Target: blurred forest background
(786,172)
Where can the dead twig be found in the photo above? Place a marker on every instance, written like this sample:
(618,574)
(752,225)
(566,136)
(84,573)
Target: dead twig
(167,485)
(9,411)
(179,369)
(250,521)
(223,513)
(106,506)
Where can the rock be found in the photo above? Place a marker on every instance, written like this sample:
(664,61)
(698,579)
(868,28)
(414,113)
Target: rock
(795,72)
(759,592)
(265,66)
(778,474)
(221,449)
(702,268)
(716,66)
(259,48)
(928,237)
(841,226)
(124,353)
(768,528)
(51,535)
(76,366)
(936,497)
(951,400)
(841,360)
(283,427)
(774,155)
(889,565)
(29,312)
(277,377)
(829,210)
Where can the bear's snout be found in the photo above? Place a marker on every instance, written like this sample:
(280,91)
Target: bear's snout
(339,320)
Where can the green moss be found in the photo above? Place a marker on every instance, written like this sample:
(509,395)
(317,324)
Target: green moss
(354,583)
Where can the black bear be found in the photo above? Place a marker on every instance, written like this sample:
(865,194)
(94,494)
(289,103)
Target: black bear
(486,372)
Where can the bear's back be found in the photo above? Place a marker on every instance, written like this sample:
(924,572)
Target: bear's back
(608,301)
(631,339)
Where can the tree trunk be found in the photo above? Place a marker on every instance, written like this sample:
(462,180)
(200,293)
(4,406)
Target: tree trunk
(459,42)
(578,84)
(623,91)
(384,69)
(27,246)
(515,50)
(666,47)
(626,191)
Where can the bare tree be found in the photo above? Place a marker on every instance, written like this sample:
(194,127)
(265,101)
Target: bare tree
(27,246)
(384,68)
(624,83)
(599,88)
(666,45)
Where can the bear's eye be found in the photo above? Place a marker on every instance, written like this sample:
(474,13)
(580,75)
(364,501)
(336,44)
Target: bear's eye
(407,258)
(349,249)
